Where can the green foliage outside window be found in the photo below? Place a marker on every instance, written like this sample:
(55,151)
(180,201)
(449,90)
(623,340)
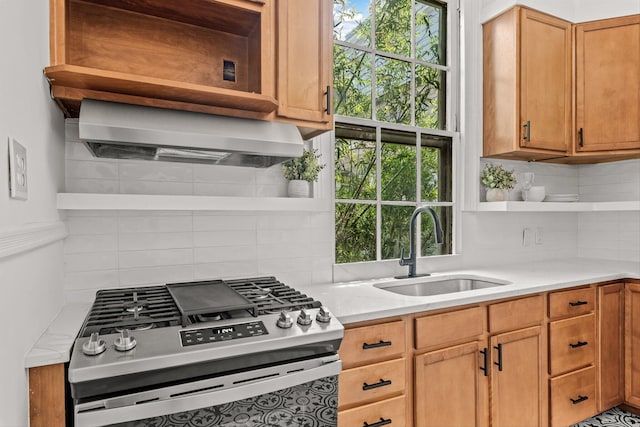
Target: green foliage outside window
(356,87)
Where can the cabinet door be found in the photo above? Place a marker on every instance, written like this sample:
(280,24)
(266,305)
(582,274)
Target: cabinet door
(610,356)
(632,344)
(545,81)
(305,59)
(450,388)
(518,392)
(607,84)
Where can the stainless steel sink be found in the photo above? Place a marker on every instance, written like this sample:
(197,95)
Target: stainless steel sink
(438,286)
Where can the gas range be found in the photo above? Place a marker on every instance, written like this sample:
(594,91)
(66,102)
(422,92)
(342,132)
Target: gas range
(149,337)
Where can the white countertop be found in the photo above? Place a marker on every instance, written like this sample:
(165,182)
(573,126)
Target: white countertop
(359,301)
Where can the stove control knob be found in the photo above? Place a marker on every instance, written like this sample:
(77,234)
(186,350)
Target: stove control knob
(94,346)
(304,318)
(284,321)
(125,341)
(324,315)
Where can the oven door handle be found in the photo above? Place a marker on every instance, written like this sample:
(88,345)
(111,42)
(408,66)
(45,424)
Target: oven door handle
(103,412)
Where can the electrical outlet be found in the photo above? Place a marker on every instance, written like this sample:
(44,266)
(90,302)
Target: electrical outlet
(527,237)
(17,170)
(539,233)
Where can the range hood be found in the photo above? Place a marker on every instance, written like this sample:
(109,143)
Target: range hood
(125,131)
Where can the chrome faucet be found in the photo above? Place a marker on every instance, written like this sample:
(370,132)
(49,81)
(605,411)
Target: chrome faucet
(411,260)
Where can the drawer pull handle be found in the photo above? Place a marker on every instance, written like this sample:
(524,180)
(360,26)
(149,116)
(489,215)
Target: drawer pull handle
(485,360)
(499,362)
(578,344)
(380,423)
(366,346)
(579,399)
(577,303)
(381,383)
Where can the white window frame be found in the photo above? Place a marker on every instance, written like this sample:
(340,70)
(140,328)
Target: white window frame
(451,130)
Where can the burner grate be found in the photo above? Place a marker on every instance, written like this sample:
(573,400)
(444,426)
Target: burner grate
(131,308)
(271,295)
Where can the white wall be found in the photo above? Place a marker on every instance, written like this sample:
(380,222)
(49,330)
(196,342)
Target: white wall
(127,248)
(31,281)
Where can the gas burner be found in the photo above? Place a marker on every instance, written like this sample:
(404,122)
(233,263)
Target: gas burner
(136,327)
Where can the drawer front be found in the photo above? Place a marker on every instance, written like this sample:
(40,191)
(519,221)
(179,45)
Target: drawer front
(371,382)
(372,343)
(451,327)
(572,343)
(571,303)
(390,412)
(573,397)
(516,314)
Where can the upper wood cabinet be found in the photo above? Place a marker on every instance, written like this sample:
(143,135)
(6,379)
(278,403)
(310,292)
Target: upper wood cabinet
(608,85)
(527,85)
(305,61)
(226,57)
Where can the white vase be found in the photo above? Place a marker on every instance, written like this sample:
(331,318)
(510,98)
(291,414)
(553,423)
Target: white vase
(298,188)
(496,195)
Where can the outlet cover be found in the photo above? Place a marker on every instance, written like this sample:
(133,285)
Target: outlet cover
(527,237)
(17,170)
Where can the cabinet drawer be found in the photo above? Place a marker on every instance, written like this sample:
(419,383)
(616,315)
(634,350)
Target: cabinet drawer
(571,303)
(447,328)
(372,343)
(516,314)
(391,412)
(573,397)
(371,382)
(572,343)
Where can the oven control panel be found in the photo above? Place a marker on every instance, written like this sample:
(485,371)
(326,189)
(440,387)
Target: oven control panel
(222,333)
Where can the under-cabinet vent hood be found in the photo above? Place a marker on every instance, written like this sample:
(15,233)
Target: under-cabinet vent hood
(124,131)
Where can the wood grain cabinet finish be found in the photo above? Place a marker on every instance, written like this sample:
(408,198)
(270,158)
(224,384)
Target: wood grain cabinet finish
(516,314)
(305,61)
(573,397)
(47,396)
(449,328)
(527,85)
(610,351)
(607,85)
(571,303)
(450,389)
(571,343)
(391,412)
(372,343)
(267,59)
(375,384)
(518,389)
(632,344)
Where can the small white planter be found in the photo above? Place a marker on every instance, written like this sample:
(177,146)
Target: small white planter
(298,188)
(496,195)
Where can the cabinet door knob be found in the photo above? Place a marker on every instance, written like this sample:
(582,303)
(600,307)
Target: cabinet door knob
(485,360)
(527,131)
(577,303)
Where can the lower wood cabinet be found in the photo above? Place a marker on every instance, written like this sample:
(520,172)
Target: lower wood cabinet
(610,351)
(572,397)
(450,389)
(518,378)
(632,344)
(389,412)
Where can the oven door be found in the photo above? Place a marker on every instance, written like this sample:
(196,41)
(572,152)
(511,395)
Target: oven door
(293,394)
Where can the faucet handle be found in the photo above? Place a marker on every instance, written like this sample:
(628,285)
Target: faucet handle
(403,260)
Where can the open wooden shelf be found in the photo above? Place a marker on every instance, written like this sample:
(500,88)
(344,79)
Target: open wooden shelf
(148,202)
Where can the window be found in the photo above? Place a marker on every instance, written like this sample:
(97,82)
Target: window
(394,128)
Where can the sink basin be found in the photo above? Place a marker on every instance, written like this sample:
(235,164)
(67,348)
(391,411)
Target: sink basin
(441,286)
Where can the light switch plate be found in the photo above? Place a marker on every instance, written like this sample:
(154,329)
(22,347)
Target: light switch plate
(17,170)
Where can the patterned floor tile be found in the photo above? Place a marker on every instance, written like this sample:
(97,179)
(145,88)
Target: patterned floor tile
(612,418)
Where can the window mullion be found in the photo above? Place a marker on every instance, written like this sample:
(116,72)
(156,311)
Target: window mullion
(378,193)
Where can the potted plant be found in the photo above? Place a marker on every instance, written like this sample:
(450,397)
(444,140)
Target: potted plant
(301,171)
(498,181)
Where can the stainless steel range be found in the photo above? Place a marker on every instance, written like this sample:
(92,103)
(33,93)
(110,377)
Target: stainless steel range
(246,352)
